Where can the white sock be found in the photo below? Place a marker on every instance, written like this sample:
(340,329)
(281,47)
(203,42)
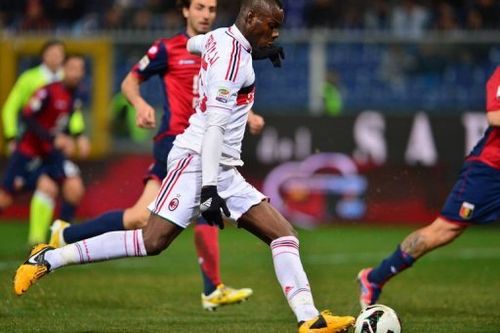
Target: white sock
(111,245)
(292,277)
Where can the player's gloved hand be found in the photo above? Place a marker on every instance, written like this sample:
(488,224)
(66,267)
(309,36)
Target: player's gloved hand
(211,205)
(273,52)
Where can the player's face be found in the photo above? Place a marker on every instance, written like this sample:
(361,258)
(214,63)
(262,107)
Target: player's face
(200,16)
(264,26)
(53,57)
(74,70)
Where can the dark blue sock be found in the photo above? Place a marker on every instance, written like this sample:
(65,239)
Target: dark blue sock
(111,221)
(201,221)
(390,266)
(68,211)
(208,286)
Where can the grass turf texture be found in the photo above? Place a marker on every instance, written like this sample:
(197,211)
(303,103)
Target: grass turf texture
(456,289)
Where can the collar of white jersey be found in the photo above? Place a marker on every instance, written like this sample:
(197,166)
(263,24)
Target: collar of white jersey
(50,75)
(234,32)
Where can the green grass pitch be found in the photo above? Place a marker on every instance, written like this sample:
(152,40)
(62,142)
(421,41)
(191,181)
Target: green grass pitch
(456,289)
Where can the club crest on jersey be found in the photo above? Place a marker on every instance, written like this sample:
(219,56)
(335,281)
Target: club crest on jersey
(223,95)
(174,203)
(466,210)
(186,62)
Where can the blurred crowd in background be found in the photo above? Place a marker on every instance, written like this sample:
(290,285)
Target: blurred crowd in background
(405,17)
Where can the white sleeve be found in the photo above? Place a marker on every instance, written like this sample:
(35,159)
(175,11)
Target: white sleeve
(195,44)
(213,139)
(211,152)
(224,79)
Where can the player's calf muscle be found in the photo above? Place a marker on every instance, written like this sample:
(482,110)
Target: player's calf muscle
(415,244)
(158,234)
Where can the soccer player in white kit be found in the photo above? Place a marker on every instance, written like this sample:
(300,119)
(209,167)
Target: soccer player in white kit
(202,174)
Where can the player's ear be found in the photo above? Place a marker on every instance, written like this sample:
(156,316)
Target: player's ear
(251,18)
(185,12)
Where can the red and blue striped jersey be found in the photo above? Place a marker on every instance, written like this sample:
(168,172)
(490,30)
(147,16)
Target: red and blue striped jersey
(487,149)
(178,71)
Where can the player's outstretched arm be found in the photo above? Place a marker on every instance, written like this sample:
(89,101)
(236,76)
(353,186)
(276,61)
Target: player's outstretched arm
(145,114)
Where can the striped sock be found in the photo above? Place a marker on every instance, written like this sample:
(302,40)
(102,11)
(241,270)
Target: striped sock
(292,277)
(111,245)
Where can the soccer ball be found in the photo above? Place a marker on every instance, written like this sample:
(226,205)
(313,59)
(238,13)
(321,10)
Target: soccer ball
(378,318)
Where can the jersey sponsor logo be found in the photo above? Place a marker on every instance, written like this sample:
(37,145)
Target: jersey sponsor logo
(223,95)
(174,203)
(144,62)
(466,210)
(187,62)
(60,104)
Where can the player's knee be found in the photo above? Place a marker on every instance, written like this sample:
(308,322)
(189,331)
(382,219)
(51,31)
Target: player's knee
(5,200)
(442,232)
(73,190)
(136,218)
(47,186)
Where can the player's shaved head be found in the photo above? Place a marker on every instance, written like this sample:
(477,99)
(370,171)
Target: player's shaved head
(254,4)
(259,21)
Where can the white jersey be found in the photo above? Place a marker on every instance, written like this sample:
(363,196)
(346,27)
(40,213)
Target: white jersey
(226,84)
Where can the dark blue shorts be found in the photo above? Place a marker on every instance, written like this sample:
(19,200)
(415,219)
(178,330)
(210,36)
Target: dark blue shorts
(161,148)
(475,198)
(23,171)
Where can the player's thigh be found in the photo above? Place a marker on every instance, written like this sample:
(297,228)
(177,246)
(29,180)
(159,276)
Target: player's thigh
(47,185)
(73,189)
(6,199)
(475,197)
(22,173)
(137,216)
(178,199)
(265,222)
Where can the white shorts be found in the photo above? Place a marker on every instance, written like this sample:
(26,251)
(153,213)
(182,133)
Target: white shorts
(179,198)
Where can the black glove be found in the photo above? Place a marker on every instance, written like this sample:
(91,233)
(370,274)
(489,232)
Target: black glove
(274,53)
(211,204)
